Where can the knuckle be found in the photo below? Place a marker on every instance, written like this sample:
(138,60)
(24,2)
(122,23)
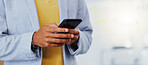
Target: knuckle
(54,24)
(59,41)
(46,44)
(50,35)
(69,35)
(56,45)
(49,23)
(51,41)
(53,29)
(52,45)
(46,35)
(41,46)
(46,25)
(46,28)
(64,41)
(46,40)
(58,35)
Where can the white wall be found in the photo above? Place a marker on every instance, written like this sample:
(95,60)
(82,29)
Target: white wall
(116,23)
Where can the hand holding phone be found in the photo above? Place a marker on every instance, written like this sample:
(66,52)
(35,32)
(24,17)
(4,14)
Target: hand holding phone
(71,24)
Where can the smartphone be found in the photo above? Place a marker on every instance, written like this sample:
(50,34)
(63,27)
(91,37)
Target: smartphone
(70,23)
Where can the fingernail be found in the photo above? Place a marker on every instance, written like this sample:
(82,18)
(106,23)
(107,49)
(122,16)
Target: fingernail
(72,36)
(66,30)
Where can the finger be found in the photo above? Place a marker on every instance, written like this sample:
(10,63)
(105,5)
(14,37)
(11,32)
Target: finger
(59,41)
(74,31)
(52,24)
(60,35)
(74,40)
(58,30)
(53,27)
(77,28)
(55,45)
(75,37)
(46,44)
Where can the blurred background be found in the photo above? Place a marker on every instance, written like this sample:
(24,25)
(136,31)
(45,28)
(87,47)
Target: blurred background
(120,34)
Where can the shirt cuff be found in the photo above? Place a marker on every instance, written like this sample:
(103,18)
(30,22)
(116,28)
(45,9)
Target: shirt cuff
(36,50)
(74,50)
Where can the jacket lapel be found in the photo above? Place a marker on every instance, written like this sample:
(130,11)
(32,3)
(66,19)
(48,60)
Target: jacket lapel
(32,12)
(63,10)
(63,15)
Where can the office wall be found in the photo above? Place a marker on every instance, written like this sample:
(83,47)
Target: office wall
(116,23)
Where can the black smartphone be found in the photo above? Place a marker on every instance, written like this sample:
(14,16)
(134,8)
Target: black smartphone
(70,23)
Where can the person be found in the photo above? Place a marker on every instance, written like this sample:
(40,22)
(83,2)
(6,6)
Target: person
(30,27)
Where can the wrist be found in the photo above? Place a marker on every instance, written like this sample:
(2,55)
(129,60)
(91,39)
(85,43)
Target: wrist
(33,39)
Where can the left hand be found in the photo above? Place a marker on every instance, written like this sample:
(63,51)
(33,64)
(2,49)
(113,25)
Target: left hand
(75,32)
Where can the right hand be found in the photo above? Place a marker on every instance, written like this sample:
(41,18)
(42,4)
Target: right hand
(50,35)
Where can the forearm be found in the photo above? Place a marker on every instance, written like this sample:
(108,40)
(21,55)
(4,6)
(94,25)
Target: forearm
(17,47)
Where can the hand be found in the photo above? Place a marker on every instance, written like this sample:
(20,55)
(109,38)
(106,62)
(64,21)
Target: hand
(50,35)
(75,39)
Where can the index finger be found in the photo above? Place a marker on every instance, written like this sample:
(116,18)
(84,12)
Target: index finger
(74,31)
(58,30)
